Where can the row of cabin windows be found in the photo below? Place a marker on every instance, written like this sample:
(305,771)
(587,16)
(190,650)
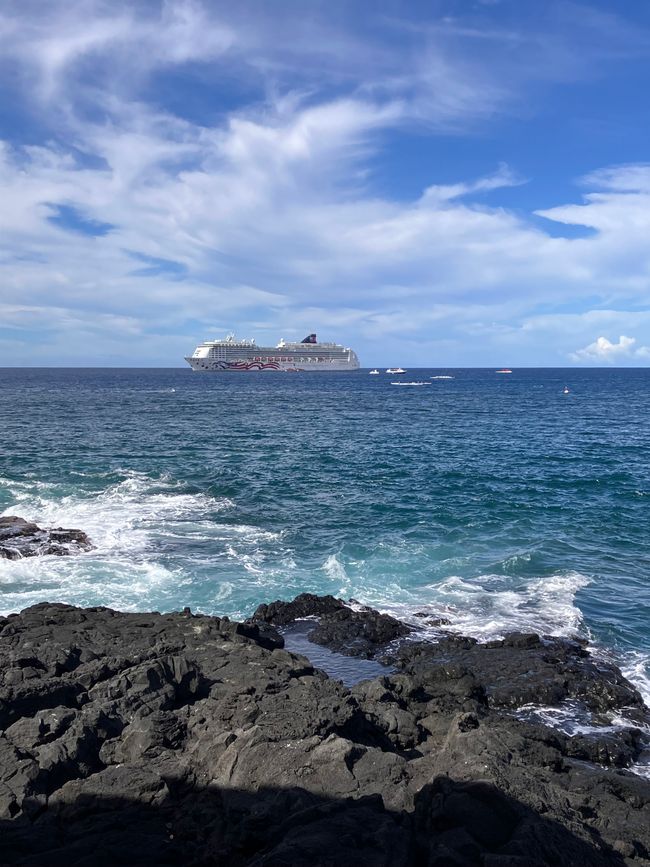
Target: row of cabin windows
(219,354)
(286,358)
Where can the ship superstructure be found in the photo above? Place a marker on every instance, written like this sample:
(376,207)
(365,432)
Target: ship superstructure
(234,354)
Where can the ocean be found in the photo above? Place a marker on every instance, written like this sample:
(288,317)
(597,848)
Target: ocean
(487,502)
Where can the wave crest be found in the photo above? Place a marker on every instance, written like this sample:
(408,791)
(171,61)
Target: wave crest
(489,606)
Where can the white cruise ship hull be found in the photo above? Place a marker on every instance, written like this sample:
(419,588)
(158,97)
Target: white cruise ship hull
(207,365)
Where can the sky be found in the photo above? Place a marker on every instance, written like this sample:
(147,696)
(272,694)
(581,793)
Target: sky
(442,183)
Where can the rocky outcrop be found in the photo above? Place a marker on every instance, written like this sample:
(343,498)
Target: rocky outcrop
(20,538)
(179,739)
(358,631)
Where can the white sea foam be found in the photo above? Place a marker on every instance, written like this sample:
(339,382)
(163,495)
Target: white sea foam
(641,768)
(336,573)
(489,606)
(81,580)
(636,668)
(130,522)
(571,718)
(121,517)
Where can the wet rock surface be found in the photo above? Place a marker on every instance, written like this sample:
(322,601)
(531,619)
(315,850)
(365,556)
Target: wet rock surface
(20,538)
(180,739)
(526,669)
(358,631)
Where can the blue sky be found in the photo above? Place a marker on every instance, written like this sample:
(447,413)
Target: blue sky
(443,183)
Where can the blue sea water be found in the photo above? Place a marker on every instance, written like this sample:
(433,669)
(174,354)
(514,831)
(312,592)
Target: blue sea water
(496,502)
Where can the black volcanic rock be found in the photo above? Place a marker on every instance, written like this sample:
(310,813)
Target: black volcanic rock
(281,613)
(359,631)
(173,739)
(526,669)
(20,538)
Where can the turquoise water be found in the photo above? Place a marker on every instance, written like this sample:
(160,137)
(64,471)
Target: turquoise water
(494,501)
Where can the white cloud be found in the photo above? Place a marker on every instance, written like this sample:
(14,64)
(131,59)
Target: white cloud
(626,178)
(603,349)
(268,212)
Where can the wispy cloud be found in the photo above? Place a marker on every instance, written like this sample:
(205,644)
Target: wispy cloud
(55,42)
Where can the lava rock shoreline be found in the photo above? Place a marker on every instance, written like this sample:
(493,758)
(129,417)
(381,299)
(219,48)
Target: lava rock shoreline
(20,538)
(181,739)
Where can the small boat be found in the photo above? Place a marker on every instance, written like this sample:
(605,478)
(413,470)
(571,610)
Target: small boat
(503,370)
(374,372)
(395,370)
(410,383)
(565,390)
(441,377)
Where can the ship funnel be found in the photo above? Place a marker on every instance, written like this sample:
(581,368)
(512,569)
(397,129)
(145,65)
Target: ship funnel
(311,338)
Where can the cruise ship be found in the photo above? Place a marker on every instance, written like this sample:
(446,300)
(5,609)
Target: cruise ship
(233,354)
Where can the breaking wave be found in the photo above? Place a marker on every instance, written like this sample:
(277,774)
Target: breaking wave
(125,516)
(489,606)
(153,541)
